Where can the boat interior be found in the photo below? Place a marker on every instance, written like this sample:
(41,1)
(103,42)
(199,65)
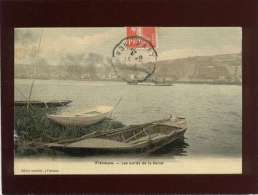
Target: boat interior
(135,133)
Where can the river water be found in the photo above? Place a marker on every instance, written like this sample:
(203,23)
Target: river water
(213,112)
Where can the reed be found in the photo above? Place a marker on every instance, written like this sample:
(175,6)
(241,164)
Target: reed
(33,129)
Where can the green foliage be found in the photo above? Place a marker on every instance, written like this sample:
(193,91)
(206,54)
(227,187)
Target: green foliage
(34,128)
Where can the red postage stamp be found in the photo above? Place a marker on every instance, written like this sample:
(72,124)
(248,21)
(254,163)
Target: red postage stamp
(148,33)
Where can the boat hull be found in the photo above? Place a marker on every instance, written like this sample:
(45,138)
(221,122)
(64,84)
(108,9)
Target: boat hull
(151,84)
(79,121)
(155,84)
(56,103)
(149,147)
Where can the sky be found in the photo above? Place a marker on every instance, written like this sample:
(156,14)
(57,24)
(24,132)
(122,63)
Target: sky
(52,44)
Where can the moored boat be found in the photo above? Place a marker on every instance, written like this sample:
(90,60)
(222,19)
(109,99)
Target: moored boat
(81,119)
(151,83)
(39,103)
(156,84)
(132,82)
(148,137)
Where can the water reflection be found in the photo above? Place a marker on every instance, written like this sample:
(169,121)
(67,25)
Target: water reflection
(176,148)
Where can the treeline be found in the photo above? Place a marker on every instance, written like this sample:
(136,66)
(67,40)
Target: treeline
(200,69)
(72,67)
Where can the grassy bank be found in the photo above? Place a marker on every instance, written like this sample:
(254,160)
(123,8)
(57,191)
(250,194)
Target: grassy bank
(33,129)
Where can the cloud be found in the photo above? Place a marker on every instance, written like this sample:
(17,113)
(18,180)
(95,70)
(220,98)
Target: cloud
(59,42)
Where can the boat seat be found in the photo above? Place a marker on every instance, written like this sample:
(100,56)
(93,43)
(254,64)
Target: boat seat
(149,138)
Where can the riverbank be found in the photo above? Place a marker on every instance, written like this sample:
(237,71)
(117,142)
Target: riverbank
(115,80)
(33,129)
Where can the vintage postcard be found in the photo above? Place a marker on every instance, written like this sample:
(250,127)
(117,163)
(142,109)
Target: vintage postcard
(128,100)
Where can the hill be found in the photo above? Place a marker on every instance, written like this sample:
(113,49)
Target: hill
(218,68)
(225,68)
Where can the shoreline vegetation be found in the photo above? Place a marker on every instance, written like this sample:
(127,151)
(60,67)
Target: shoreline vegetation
(33,130)
(110,80)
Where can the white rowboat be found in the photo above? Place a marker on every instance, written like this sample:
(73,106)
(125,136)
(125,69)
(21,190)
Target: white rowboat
(82,119)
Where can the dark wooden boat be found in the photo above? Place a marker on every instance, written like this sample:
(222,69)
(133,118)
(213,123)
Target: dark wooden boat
(155,84)
(147,137)
(132,82)
(151,83)
(39,103)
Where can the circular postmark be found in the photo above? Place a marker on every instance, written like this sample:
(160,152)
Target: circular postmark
(134,59)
